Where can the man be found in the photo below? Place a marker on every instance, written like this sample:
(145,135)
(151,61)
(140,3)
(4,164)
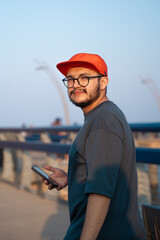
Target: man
(101,178)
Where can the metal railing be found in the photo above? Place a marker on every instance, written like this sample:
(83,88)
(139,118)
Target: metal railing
(40,139)
(143,155)
(136,127)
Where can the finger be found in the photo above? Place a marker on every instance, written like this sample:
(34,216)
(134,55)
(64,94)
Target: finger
(50,187)
(49,168)
(58,188)
(46,182)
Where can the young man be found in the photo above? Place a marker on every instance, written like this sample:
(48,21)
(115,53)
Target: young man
(101,178)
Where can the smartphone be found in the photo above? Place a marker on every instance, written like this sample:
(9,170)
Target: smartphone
(43,175)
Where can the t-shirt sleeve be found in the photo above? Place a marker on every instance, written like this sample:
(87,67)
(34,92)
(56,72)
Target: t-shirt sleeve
(104,151)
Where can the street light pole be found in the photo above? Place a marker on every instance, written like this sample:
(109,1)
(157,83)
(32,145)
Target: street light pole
(153,89)
(51,75)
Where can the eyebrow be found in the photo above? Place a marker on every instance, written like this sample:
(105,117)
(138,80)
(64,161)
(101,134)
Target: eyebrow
(79,75)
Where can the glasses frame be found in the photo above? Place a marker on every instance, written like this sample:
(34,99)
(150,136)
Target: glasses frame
(65,80)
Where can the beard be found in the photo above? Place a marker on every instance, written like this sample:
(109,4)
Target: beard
(93,96)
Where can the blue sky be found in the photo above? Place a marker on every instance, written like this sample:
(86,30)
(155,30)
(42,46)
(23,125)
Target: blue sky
(125,33)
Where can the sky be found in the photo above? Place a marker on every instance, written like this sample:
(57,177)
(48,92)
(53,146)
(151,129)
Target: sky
(34,33)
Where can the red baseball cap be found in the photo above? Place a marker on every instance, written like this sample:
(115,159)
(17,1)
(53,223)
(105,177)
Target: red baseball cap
(87,60)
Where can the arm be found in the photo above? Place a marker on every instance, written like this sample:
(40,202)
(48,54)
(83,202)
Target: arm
(96,213)
(58,176)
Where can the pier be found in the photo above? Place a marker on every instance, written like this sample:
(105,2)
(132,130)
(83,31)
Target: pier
(27,208)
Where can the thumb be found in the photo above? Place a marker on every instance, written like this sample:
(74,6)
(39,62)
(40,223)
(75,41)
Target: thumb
(49,168)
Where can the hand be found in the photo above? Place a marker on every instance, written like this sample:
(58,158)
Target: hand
(58,176)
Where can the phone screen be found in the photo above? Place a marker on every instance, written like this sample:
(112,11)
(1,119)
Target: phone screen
(40,172)
(43,175)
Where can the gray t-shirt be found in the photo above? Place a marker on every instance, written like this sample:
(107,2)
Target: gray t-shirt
(102,161)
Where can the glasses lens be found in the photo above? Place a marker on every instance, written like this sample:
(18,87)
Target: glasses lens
(83,81)
(68,82)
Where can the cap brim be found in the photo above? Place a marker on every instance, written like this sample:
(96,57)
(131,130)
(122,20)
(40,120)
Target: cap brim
(63,67)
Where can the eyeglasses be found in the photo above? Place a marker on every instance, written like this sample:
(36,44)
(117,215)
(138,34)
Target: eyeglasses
(82,80)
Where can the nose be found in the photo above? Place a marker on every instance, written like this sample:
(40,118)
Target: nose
(76,84)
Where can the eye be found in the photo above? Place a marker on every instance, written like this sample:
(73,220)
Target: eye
(69,79)
(84,78)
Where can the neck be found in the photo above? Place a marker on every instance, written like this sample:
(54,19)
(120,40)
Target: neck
(95,104)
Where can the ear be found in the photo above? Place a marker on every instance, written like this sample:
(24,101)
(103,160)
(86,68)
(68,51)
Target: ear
(104,82)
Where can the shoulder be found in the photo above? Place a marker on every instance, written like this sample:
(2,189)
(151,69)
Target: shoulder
(108,117)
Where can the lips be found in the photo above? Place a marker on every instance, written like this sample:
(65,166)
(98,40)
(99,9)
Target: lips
(77,91)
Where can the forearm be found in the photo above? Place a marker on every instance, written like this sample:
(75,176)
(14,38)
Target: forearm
(96,212)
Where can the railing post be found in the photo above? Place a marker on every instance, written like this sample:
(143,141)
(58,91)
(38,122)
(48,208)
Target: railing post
(8,166)
(1,158)
(144,191)
(153,168)
(8,173)
(144,187)
(153,175)
(50,160)
(26,173)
